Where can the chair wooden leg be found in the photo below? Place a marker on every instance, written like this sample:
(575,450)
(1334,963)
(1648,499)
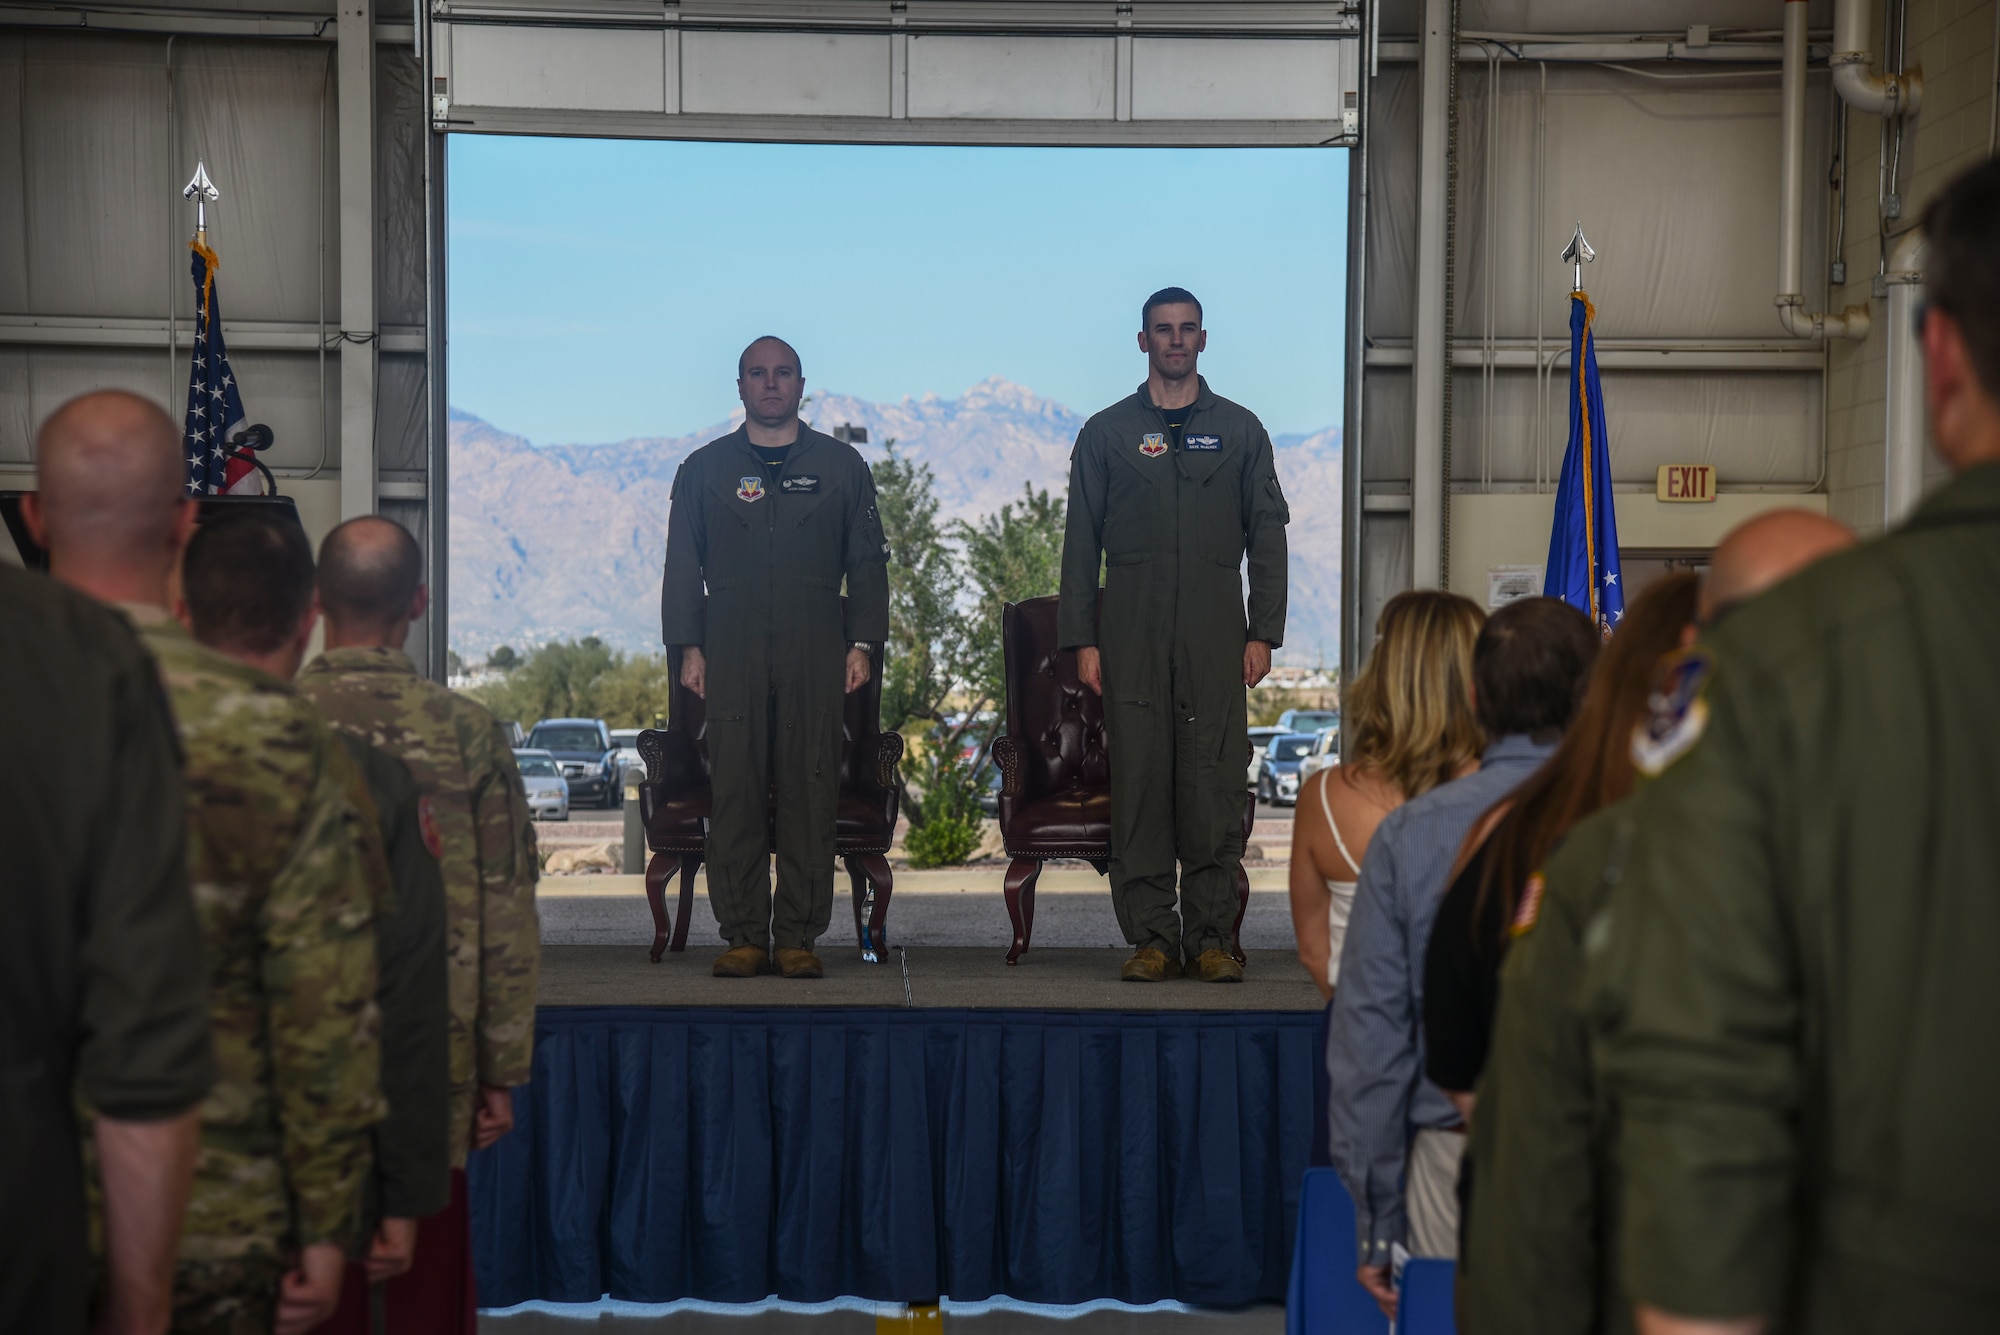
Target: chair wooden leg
(857,882)
(658,869)
(1022,874)
(690,864)
(1242,907)
(873,883)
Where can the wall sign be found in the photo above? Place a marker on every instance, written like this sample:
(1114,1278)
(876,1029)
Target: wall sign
(1686,482)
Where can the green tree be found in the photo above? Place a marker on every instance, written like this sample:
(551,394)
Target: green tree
(1009,556)
(925,626)
(453,664)
(634,691)
(504,658)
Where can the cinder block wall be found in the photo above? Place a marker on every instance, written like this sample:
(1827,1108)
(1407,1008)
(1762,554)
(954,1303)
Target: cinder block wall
(1953,40)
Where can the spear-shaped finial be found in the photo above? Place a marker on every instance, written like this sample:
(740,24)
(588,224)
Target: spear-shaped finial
(1578,252)
(201,190)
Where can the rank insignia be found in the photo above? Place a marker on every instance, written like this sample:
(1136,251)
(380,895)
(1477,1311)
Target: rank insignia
(750,489)
(1530,907)
(1153,444)
(1676,714)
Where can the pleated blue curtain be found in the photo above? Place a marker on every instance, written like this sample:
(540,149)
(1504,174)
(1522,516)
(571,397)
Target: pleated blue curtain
(1052,1157)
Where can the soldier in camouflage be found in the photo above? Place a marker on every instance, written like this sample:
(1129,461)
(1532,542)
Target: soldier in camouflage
(279,885)
(370,588)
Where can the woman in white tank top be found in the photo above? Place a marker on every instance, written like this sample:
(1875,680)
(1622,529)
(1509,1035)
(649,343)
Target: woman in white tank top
(1409,727)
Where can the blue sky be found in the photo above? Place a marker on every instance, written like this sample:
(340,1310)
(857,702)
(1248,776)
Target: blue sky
(601,289)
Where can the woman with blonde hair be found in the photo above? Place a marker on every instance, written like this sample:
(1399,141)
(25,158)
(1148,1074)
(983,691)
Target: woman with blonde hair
(1408,726)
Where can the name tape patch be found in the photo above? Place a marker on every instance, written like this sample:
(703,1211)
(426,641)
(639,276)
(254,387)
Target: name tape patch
(805,484)
(750,489)
(1202,442)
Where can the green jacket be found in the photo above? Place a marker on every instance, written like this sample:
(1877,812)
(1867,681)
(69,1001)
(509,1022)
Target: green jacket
(1172,526)
(1539,1242)
(1796,982)
(412,1153)
(464,765)
(286,901)
(749,559)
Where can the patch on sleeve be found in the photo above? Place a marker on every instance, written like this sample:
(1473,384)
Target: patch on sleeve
(1530,907)
(1676,713)
(427,823)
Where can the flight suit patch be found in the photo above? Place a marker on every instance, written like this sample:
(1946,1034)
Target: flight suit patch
(750,489)
(1530,907)
(1153,444)
(1676,713)
(1201,443)
(427,826)
(805,484)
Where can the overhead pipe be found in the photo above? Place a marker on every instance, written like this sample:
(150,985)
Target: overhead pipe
(1852,63)
(1903,429)
(1799,320)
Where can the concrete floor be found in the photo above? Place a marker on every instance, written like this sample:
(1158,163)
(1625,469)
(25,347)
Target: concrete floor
(629,1319)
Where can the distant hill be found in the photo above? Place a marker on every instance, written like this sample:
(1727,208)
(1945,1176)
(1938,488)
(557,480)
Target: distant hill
(563,541)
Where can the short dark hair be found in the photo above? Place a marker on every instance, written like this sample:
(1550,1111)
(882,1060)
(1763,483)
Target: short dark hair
(1530,665)
(1962,264)
(369,570)
(797,365)
(1168,296)
(248,581)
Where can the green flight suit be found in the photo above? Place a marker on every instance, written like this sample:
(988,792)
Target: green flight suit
(1795,981)
(1541,1241)
(753,578)
(1172,522)
(412,1148)
(103,988)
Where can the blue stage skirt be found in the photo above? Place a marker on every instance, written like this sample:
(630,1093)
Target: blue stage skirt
(1049,1156)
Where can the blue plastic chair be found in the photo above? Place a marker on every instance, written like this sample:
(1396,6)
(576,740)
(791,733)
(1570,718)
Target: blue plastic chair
(1425,1307)
(1324,1298)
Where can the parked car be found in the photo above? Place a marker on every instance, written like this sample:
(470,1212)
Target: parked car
(1279,783)
(1260,738)
(548,791)
(582,749)
(1308,720)
(1324,755)
(629,763)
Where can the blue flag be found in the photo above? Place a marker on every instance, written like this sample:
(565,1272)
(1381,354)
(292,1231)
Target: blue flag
(1583,543)
(215,408)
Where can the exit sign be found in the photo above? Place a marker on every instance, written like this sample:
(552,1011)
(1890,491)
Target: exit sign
(1686,482)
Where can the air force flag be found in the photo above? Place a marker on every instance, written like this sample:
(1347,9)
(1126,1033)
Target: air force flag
(1583,543)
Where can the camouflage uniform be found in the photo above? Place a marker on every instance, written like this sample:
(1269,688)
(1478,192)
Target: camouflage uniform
(285,899)
(464,765)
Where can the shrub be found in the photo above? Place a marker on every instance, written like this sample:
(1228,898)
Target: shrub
(950,827)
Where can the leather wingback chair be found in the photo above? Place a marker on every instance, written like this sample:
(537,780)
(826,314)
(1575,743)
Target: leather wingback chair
(675,802)
(1055,766)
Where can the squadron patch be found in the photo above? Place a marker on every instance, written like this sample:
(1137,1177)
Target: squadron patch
(427,826)
(805,484)
(1202,443)
(1153,444)
(1676,714)
(750,489)
(1530,907)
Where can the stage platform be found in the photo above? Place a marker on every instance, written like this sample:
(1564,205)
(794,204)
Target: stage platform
(960,978)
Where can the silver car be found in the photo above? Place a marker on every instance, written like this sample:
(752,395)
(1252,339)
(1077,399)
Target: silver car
(548,790)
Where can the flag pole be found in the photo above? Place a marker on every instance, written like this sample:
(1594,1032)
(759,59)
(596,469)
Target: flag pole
(201,190)
(1578,252)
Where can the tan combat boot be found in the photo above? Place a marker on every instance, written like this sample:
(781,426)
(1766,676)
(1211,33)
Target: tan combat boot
(742,962)
(1217,966)
(799,964)
(1148,965)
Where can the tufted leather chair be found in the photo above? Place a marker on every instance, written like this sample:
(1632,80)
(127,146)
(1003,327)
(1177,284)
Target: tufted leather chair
(675,801)
(1055,768)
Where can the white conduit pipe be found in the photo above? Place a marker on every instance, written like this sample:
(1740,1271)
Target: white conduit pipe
(1852,64)
(1799,320)
(1903,428)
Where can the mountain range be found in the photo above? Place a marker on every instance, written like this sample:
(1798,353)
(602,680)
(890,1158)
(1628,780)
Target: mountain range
(562,541)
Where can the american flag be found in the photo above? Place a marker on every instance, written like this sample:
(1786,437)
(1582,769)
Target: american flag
(215,409)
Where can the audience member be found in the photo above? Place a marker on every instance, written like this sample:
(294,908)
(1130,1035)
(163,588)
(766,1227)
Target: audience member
(1793,982)
(1538,1256)
(101,976)
(1409,726)
(1396,1139)
(247,592)
(1499,884)
(371,590)
(279,885)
